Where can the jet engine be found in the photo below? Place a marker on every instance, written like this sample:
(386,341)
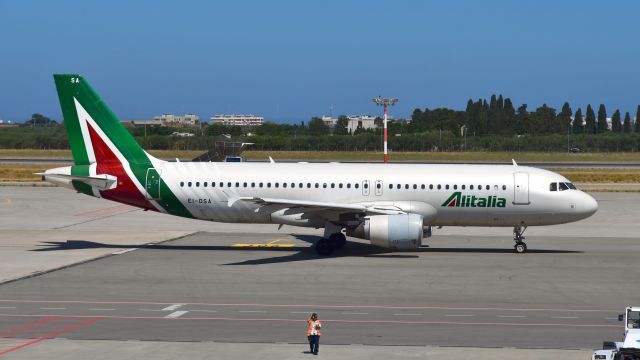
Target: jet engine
(403,231)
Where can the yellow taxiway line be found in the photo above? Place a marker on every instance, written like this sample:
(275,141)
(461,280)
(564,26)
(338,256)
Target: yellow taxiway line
(265,245)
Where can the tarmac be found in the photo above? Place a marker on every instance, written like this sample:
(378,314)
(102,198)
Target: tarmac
(83,275)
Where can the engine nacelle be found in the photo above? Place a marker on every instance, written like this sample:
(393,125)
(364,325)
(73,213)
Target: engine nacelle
(402,231)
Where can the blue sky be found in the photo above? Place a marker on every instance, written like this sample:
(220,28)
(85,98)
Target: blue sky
(291,60)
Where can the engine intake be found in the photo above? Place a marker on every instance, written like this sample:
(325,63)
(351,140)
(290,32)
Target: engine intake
(402,231)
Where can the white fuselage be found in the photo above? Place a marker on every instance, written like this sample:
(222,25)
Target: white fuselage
(524,191)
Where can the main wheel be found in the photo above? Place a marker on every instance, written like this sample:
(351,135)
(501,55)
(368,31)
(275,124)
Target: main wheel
(324,248)
(520,247)
(337,240)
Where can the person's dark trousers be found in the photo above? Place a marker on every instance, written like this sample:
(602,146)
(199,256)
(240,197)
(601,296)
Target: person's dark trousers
(314,342)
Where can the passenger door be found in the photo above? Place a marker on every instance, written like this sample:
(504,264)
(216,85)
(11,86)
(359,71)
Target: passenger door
(521,188)
(153,184)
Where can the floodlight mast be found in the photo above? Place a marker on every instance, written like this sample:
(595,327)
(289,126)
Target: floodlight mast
(385,103)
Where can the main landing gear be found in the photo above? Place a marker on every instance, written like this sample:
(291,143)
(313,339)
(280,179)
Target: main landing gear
(333,239)
(520,247)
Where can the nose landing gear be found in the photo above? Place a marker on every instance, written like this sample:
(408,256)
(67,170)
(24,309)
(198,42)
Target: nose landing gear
(520,247)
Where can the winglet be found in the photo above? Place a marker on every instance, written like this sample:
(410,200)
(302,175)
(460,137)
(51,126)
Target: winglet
(514,162)
(271,160)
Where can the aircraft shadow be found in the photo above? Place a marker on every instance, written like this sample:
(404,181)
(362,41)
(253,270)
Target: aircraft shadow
(300,253)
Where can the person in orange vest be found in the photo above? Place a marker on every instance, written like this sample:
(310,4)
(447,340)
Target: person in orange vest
(313,333)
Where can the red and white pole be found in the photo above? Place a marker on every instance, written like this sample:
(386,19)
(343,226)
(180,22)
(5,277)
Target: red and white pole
(386,158)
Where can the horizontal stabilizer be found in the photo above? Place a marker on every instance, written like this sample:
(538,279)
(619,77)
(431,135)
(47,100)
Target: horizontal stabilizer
(101,182)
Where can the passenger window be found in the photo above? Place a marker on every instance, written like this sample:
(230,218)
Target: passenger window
(479,187)
(293,185)
(277,185)
(553,187)
(204,184)
(504,187)
(340,185)
(463,186)
(415,186)
(237,184)
(261,184)
(213,184)
(181,183)
(430,186)
(470,187)
(487,187)
(422,186)
(390,186)
(229,184)
(455,187)
(356,185)
(378,186)
(333,185)
(197,183)
(284,185)
(253,184)
(406,186)
(317,185)
(324,185)
(348,185)
(439,186)
(562,186)
(446,186)
(366,185)
(398,186)
(268,184)
(189,184)
(308,185)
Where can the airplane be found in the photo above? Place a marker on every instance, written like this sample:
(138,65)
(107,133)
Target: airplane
(393,206)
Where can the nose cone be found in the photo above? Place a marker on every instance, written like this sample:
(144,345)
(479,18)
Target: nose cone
(589,205)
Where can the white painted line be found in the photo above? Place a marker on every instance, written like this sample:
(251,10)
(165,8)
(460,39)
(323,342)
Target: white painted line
(209,311)
(252,311)
(407,314)
(53,308)
(7,307)
(512,316)
(459,315)
(565,317)
(124,251)
(100,309)
(298,312)
(149,310)
(173,307)
(354,313)
(176,314)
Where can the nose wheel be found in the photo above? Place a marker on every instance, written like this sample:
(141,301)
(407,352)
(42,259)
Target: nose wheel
(520,247)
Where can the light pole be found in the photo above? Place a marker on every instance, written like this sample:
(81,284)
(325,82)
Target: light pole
(385,102)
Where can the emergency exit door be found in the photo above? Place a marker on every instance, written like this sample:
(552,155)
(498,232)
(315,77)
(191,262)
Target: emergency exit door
(521,188)
(153,184)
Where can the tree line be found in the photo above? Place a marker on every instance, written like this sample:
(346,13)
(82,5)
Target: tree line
(484,125)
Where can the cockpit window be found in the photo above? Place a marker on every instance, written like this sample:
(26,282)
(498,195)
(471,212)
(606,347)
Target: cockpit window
(553,187)
(571,186)
(562,186)
(633,319)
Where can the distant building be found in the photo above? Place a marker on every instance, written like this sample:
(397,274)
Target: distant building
(237,120)
(141,123)
(330,121)
(177,120)
(363,121)
(7,124)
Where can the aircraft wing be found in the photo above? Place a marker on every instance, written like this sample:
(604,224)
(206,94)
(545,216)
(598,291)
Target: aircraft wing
(311,206)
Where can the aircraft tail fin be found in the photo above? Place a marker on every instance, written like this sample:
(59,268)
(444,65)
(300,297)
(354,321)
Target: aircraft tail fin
(91,125)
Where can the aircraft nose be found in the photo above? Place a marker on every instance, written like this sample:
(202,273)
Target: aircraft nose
(589,205)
